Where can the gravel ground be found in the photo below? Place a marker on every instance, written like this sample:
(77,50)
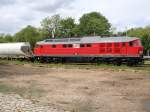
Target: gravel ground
(15,103)
(27,88)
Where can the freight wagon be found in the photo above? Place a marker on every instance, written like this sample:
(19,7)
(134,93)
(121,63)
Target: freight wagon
(15,50)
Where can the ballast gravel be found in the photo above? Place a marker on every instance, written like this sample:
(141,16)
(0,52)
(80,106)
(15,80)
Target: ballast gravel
(15,103)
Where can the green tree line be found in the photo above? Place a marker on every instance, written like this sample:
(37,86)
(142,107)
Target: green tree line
(90,24)
(93,23)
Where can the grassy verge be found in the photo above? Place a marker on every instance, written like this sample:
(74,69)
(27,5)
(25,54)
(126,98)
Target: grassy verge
(31,92)
(145,67)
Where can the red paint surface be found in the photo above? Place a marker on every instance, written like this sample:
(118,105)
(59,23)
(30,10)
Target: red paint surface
(113,49)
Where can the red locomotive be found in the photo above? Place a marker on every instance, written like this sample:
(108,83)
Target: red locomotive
(116,50)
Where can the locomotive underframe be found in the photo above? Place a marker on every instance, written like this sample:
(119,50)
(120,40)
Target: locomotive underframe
(117,60)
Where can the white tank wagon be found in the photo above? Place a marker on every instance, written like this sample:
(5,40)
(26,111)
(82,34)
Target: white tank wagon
(15,50)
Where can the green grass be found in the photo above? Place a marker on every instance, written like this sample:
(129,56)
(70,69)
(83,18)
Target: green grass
(17,62)
(30,92)
(145,67)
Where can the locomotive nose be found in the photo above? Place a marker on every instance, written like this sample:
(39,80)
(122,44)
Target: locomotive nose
(141,49)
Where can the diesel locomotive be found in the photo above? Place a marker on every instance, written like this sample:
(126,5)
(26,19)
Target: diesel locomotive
(117,50)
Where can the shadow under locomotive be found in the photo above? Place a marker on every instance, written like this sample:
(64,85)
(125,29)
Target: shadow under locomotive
(129,61)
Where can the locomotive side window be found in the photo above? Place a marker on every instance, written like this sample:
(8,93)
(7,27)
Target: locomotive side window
(88,45)
(131,44)
(82,45)
(139,43)
(134,43)
(64,46)
(67,46)
(70,45)
(53,46)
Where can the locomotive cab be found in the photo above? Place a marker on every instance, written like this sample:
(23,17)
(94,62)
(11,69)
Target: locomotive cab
(37,49)
(135,48)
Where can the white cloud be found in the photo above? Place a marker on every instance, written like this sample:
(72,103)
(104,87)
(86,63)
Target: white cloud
(121,13)
(7,2)
(16,14)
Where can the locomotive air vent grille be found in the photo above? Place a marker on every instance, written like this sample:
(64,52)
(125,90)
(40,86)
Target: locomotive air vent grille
(63,40)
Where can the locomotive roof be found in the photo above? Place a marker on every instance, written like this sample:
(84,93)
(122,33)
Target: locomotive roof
(87,40)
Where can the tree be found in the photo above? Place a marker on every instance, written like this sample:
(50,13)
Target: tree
(94,23)
(6,38)
(2,39)
(29,34)
(68,25)
(51,25)
(9,38)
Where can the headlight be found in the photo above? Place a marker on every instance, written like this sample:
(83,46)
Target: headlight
(140,52)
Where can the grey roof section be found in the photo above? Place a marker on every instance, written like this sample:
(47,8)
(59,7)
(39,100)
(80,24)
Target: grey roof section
(87,40)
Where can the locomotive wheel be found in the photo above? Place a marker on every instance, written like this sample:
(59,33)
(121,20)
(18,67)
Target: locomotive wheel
(41,60)
(32,59)
(131,63)
(63,60)
(117,63)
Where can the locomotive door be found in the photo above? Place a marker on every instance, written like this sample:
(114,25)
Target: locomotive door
(123,48)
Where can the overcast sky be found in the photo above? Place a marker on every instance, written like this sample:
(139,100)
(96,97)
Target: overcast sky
(122,14)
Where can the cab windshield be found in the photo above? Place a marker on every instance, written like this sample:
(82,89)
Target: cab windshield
(135,43)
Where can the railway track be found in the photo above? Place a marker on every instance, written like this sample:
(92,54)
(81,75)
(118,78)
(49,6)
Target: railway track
(146,57)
